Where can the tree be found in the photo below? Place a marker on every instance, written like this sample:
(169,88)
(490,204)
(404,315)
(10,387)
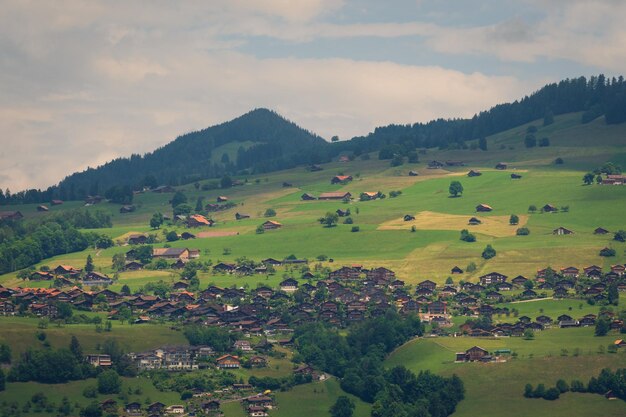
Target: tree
(620,236)
(482,144)
(179,198)
(269,213)
(89,265)
(588,178)
(532,208)
(330,219)
(343,407)
(522,231)
(2,380)
(562,386)
(514,219)
(551,394)
(64,310)
(334,139)
(530,141)
(199,204)
(119,261)
(489,252)
(226,182)
(76,349)
(466,236)
(156,221)
(92,410)
(109,382)
(5,353)
(125,290)
(544,142)
(548,118)
(456,188)
(171,236)
(602,327)
(528,391)
(613,294)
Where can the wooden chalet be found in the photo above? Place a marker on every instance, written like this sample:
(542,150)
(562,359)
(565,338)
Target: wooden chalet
(271,225)
(11,215)
(307,197)
(222,199)
(345,273)
(492,278)
(380,273)
(483,208)
(475,353)
(340,179)
(474,221)
(340,195)
(600,231)
(170,253)
(549,208)
(413,173)
(198,220)
(456,270)
(289,285)
(435,165)
(137,239)
(501,165)
(241,216)
(516,176)
(67,270)
(562,231)
(42,208)
(474,173)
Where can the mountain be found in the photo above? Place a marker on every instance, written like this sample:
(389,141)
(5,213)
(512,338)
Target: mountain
(264,140)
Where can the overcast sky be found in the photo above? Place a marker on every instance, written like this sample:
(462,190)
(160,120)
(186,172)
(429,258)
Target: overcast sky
(82,82)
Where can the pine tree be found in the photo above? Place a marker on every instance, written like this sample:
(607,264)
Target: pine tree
(89,265)
(76,349)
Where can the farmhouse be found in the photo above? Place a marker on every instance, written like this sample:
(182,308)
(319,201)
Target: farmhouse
(492,278)
(475,353)
(474,221)
(289,285)
(222,199)
(66,270)
(483,208)
(600,231)
(549,208)
(170,253)
(562,231)
(198,220)
(341,195)
(137,239)
(10,215)
(228,362)
(570,271)
(339,179)
(456,270)
(369,195)
(271,225)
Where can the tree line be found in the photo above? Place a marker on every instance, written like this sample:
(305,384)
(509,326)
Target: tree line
(357,359)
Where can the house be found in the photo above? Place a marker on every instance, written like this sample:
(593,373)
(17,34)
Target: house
(483,208)
(96,278)
(41,276)
(413,173)
(492,278)
(175,409)
(98,360)
(133,408)
(228,362)
(42,208)
(315,168)
(133,266)
(67,270)
(137,239)
(335,196)
(474,221)
(222,199)
(456,270)
(11,215)
(427,284)
(435,165)
(515,176)
(187,236)
(156,408)
(474,173)
(408,217)
(240,216)
(242,345)
(127,209)
(271,225)
(437,308)
(504,286)
(170,253)
(549,208)
(289,285)
(198,220)
(600,231)
(210,406)
(475,353)
(380,274)
(562,231)
(339,179)
(620,343)
(618,269)
(369,195)
(258,361)
(307,197)
(570,272)
(501,165)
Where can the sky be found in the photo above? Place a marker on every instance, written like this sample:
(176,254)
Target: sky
(84,82)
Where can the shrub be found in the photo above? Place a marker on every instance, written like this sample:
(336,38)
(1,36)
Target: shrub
(355,229)
(348,220)
(269,213)
(607,252)
(522,231)
(466,236)
(489,252)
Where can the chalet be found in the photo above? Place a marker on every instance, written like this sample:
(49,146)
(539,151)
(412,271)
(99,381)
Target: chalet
(501,165)
(198,220)
(289,285)
(494,295)
(271,261)
(589,320)
(170,253)
(618,269)
(549,208)
(271,225)
(620,343)
(96,278)
(435,165)
(519,280)
(7,308)
(424,292)
(529,294)
(315,168)
(472,354)
(222,199)
(448,291)
(474,173)
(163,189)
(42,208)
(41,276)
(600,231)
(382,274)
(492,278)
(99,360)
(258,361)
(228,362)
(133,409)
(483,208)
(307,197)
(127,209)
(614,180)
(11,215)
(504,286)
(543,320)
(261,400)
(133,266)
(156,408)
(570,272)
(456,270)
(242,345)
(56,202)
(175,409)
(44,310)
(565,323)
(562,231)
(67,270)
(241,216)
(413,173)
(437,308)
(515,176)
(340,179)
(341,195)
(427,284)
(137,239)
(452,163)
(474,221)
(210,406)
(342,213)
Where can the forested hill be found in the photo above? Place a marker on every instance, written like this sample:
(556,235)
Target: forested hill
(278,144)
